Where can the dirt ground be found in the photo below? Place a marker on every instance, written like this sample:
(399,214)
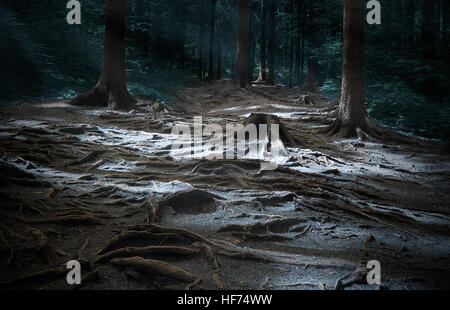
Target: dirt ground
(104,188)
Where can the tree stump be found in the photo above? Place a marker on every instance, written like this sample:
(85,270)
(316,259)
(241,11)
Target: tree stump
(267,119)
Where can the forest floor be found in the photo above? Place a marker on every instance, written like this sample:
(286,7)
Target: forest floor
(102,187)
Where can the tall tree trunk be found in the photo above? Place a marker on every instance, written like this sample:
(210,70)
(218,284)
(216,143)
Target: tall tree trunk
(302,59)
(410,24)
(263,39)
(428,32)
(291,36)
(298,42)
(242,77)
(219,60)
(211,39)
(201,35)
(111,89)
(271,46)
(251,45)
(182,44)
(352,119)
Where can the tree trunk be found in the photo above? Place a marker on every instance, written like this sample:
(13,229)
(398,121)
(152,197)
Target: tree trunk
(201,34)
(272,39)
(242,77)
(427,29)
(251,45)
(211,39)
(219,60)
(410,24)
(311,78)
(111,89)
(291,36)
(302,59)
(352,119)
(263,60)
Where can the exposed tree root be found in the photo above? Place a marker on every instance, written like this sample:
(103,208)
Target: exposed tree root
(209,253)
(46,275)
(67,219)
(367,130)
(148,251)
(156,267)
(358,276)
(260,237)
(321,286)
(153,208)
(11,249)
(91,276)
(86,158)
(136,235)
(100,97)
(80,252)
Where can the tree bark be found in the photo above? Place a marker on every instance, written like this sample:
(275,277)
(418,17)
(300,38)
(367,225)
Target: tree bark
(428,31)
(251,45)
(311,78)
(291,47)
(200,43)
(211,40)
(271,46)
(111,89)
(242,77)
(263,59)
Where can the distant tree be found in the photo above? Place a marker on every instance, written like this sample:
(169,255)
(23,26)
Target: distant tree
(201,35)
(428,29)
(272,43)
(311,78)
(111,89)
(211,39)
(263,40)
(242,64)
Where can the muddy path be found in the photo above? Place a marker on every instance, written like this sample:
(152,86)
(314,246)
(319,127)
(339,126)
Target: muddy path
(104,188)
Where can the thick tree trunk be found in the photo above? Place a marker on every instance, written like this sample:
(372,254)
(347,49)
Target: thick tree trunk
(271,46)
(352,119)
(211,39)
(111,89)
(242,77)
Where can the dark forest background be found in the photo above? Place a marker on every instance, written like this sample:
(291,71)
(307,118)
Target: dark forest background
(170,41)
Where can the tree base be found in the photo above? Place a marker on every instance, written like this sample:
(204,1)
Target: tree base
(369,131)
(366,130)
(98,97)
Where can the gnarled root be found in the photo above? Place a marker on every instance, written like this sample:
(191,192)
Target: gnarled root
(156,267)
(147,251)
